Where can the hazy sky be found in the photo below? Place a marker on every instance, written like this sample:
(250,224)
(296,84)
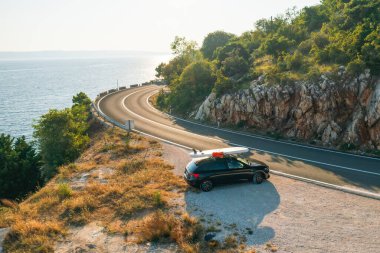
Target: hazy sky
(147,25)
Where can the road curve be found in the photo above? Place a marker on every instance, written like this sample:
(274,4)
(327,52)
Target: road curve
(310,162)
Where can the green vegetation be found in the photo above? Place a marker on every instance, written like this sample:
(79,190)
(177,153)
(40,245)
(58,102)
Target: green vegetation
(213,41)
(61,136)
(299,45)
(19,167)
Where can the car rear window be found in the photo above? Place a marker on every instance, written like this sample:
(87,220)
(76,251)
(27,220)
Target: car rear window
(191,167)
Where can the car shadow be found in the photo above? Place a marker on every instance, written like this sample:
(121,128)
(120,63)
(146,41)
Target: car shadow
(241,205)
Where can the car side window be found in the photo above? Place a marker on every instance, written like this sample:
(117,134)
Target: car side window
(234,164)
(216,165)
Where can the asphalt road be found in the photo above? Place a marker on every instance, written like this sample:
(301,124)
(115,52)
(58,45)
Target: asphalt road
(328,166)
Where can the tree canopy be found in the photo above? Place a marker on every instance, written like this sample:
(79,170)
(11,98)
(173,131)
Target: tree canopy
(213,41)
(19,167)
(298,45)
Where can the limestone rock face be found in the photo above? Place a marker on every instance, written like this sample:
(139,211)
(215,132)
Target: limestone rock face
(328,110)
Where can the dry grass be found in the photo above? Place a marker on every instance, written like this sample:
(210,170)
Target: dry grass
(142,182)
(134,200)
(166,227)
(32,236)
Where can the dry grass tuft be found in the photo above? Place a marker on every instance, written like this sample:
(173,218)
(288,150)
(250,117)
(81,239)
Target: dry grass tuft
(134,165)
(32,236)
(77,211)
(165,227)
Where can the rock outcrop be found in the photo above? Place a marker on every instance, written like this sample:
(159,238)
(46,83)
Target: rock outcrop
(333,112)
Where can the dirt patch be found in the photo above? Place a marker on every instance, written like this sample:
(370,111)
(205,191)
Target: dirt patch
(100,175)
(288,215)
(95,239)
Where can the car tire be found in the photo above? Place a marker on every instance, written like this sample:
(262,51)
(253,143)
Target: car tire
(206,185)
(257,178)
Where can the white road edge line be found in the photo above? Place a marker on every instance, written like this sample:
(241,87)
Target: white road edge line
(158,123)
(257,136)
(279,173)
(269,152)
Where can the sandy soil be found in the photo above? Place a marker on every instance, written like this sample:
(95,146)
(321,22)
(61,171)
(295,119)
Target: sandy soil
(295,216)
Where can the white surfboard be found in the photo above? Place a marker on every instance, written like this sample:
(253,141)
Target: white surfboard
(226,151)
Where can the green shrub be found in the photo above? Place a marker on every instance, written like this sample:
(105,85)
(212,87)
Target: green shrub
(64,191)
(223,84)
(356,67)
(295,61)
(62,134)
(320,40)
(157,199)
(305,46)
(347,146)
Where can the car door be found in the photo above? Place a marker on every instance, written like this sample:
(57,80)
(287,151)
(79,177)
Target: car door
(218,170)
(237,169)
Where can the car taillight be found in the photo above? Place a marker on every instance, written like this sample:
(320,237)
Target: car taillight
(195,175)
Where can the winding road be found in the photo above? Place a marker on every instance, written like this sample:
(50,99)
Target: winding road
(329,166)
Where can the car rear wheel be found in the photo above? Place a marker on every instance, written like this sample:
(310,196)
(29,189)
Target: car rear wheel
(257,178)
(206,186)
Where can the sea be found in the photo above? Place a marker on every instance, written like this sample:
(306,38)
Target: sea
(31,83)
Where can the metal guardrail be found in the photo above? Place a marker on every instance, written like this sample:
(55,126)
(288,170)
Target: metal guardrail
(104,116)
(111,91)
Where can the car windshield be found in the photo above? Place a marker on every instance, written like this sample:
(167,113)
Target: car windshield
(242,160)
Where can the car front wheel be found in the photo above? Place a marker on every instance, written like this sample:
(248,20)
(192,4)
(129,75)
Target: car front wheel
(258,178)
(206,186)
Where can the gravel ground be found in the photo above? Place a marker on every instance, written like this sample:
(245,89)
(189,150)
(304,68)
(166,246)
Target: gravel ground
(295,216)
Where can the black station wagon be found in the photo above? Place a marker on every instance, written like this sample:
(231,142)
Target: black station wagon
(207,172)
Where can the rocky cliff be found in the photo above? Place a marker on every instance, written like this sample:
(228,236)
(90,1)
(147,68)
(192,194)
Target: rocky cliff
(331,111)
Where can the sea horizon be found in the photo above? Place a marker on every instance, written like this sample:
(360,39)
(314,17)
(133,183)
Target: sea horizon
(73,54)
(31,83)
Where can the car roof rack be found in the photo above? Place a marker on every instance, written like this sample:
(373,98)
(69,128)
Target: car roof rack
(218,153)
